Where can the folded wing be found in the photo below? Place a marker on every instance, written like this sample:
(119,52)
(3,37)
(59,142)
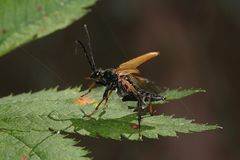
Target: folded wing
(130,66)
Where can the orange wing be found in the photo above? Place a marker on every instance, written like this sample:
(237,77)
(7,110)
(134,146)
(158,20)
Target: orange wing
(131,65)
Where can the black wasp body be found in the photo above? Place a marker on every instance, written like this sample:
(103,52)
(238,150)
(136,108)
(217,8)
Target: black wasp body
(144,94)
(129,91)
(125,80)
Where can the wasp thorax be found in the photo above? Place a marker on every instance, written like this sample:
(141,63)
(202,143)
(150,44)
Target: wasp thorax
(104,76)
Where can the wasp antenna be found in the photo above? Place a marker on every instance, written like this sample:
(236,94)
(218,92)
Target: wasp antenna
(91,63)
(90,47)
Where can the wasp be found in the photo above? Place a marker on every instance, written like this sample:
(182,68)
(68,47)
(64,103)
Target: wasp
(125,80)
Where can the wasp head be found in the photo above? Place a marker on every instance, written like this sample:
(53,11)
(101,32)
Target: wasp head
(103,77)
(98,76)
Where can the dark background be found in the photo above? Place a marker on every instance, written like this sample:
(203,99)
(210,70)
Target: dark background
(199,45)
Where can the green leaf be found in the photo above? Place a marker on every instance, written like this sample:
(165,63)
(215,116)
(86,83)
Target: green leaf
(30,117)
(26,20)
(180,93)
(152,127)
(38,146)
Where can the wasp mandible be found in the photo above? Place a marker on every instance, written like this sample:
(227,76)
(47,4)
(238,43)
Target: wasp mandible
(125,80)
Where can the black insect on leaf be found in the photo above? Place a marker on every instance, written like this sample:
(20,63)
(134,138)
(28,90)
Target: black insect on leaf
(125,80)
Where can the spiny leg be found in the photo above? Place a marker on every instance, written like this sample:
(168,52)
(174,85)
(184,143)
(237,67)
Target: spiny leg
(151,110)
(92,85)
(106,100)
(96,108)
(106,95)
(139,109)
(139,116)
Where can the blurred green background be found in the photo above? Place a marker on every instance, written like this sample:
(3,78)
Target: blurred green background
(199,45)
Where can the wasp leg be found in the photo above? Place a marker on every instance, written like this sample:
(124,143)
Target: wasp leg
(140,107)
(105,98)
(96,108)
(151,110)
(92,85)
(139,115)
